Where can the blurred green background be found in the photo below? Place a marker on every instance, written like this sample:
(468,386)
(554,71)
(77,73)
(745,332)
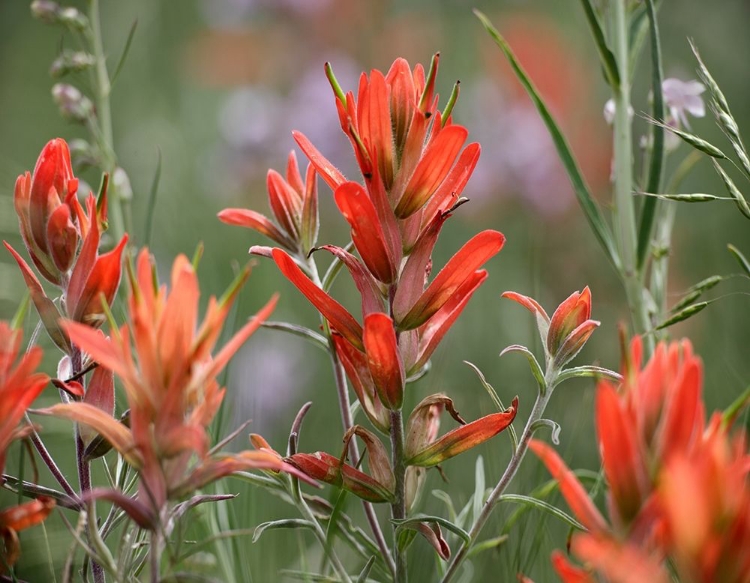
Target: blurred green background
(218,85)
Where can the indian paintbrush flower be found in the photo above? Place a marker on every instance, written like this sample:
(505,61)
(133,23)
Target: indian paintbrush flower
(163,357)
(19,386)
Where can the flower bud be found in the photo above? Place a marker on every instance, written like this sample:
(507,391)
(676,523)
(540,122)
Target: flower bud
(73,104)
(46,11)
(121,184)
(73,18)
(71,62)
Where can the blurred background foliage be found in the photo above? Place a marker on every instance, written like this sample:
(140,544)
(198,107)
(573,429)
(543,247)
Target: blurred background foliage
(218,85)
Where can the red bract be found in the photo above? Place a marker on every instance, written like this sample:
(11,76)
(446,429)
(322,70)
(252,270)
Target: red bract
(294,205)
(658,462)
(570,327)
(19,386)
(169,375)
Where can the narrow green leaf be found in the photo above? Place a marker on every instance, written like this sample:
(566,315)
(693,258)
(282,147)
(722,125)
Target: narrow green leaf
(536,370)
(17,322)
(596,372)
(731,412)
(125,51)
(444,522)
(308,576)
(692,197)
(152,200)
(741,259)
(683,314)
(734,192)
(588,205)
(317,339)
(637,37)
(366,570)
(404,538)
(487,545)
(544,507)
(283,523)
(478,498)
(605,54)
(496,400)
(648,212)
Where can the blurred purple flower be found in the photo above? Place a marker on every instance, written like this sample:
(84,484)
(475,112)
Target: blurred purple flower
(683,97)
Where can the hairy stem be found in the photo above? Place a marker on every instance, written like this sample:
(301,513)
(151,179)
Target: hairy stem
(398,508)
(506,478)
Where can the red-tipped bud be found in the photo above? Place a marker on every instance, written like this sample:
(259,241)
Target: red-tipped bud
(464,438)
(569,315)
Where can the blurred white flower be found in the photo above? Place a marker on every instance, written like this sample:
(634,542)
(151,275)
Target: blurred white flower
(609,111)
(683,97)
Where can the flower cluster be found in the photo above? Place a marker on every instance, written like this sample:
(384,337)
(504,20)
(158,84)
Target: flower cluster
(677,487)
(63,242)
(169,376)
(415,164)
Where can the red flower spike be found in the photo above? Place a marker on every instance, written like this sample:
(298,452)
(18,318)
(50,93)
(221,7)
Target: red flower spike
(461,266)
(384,360)
(434,166)
(366,285)
(621,458)
(286,204)
(453,185)
(101,286)
(257,222)
(618,561)
(402,103)
(465,437)
(334,312)
(375,122)
(333,177)
(355,365)
(573,312)
(62,238)
(572,490)
(367,233)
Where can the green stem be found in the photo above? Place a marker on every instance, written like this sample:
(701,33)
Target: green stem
(625,224)
(502,485)
(398,508)
(118,212)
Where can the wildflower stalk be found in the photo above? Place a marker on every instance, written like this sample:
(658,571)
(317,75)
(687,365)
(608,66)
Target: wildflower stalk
(532,424)
(398,508)
(339,376)
(102,85)
(625,224)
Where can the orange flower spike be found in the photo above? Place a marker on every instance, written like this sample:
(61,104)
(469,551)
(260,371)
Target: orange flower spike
(572,490)
(569,573)
(19,384)
(626,470)
(375,126)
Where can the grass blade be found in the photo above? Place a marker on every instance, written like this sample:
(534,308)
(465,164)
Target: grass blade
(152,200)
(653,184)
(589,206)
(606,56)
(125,51)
